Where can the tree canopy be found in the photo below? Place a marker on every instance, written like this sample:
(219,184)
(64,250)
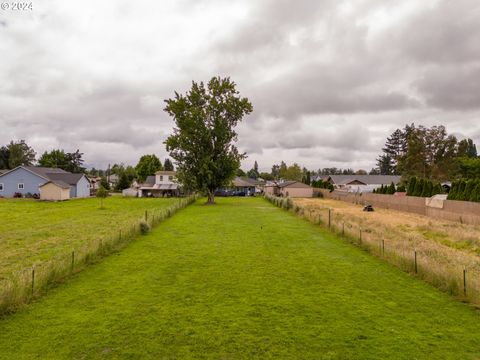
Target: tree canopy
(203,140)
(58,158)
(148,165)
(16,153)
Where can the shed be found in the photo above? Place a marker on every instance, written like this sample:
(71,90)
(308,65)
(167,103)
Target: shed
(54,191)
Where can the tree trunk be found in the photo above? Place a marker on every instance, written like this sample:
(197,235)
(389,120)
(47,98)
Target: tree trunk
(211,197)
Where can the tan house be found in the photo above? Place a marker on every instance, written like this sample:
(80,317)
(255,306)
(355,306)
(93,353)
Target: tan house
(54,191)
(295,189)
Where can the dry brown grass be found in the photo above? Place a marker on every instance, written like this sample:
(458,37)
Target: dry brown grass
(444,249)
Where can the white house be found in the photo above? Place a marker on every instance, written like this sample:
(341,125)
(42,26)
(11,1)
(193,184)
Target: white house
(164,184)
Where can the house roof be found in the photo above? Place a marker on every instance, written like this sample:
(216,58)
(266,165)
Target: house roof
(55,175)
(3,171)
(159,187)
(58,183)
(165,172)
(365,179)
(37,170)
(68,178)
(150,180)
(239,182)
(292,184)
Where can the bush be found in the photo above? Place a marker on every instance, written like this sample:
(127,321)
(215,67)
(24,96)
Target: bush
(18,195)
(144,227)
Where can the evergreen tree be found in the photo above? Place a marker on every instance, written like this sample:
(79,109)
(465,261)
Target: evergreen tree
(437,189)
(419,188)
(476,197)
(461,190)
(427,189)
(453,191)
(391,189)
(411,185)
(168,165)
(123,182)
(469,187)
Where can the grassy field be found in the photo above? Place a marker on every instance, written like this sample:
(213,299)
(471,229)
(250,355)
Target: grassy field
(33,232)
(444,248)
(242,279)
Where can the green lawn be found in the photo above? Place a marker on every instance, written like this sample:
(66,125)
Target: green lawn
(241,279)
(36,231)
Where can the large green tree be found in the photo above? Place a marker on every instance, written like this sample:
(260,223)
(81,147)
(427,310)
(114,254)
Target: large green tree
(203,140)
(58,158)
(19,153)
(147,166)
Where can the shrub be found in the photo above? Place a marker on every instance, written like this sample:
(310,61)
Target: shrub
(411,186)
(418,188)
(144,227)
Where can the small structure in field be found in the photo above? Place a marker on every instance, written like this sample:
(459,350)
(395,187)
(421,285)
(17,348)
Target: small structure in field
(54,191)
(294,189)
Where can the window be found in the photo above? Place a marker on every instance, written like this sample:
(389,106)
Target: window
(1,187)
(161,177)
(21,186)
(170,178)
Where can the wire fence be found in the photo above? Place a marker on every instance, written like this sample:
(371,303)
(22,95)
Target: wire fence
(30,283)
(449,270)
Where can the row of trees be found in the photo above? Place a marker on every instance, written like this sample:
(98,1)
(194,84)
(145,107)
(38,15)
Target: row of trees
(389,189)
(465,190)
(423,187)
(428,153)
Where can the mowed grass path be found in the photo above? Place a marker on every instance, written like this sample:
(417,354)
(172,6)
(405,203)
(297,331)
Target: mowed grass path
(241,279)
(32,232)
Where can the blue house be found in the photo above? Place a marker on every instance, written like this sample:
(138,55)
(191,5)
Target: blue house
(27,180)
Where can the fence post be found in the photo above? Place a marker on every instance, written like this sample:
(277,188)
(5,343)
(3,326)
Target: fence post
(343,229)
(465,281)
(329,218)
(33,278)
(383,247)
(360,237)
(415,259)
(146,215)
(73,260)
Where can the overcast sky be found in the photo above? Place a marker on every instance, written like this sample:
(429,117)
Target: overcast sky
(329,80)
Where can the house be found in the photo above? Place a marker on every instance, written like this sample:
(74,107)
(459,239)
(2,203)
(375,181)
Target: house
(112,180)
(163,184)
(54,191)
(294,189)
(26,180)
(244,185)
(95,182)
(361,183)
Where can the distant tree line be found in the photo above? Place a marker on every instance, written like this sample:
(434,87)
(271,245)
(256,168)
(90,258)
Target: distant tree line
(428,153)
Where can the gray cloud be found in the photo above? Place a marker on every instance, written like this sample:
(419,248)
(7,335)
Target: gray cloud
(329,80)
